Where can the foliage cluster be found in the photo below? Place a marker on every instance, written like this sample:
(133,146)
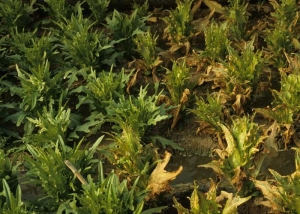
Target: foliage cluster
(71,72)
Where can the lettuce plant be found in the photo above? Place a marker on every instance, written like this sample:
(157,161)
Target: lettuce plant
(102,88)
(48,170)
(179,27)
(15,13)
(125,28)
(106,195)
(237,18)
(242,74)
(279,39)
(98,8)
(146,47)
(137,112)
(215,42)
(282,193)
(209,202)
(210,111)
(57,9)
(13,202)
(132,116)
(179,85)
(236,160)
(80,45)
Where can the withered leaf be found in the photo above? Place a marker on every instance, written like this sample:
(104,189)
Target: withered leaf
(132,81)
(160,179)
(213,5)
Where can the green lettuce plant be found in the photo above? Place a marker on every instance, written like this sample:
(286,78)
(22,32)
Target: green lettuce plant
(245,66)
(236,160)
(38,86)
(124,28)
(216,41)
(241,75)
(282,193)
(146,47)
(81,46)
(179,86)
(132,116)
(57,9)
(237,18)
(31,52)
(13,202)
(179,27)
(280,37)
(98,8)
(210,111)
(137,112)
(106,195)
(210,203)
(102,88)
(46,168)
(15,13)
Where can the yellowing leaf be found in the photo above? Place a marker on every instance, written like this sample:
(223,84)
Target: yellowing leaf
(214,6)
(232,202)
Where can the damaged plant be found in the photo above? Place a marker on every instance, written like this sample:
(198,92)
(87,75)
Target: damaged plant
(236,160)
(179,85)
(210,203)
(282,193)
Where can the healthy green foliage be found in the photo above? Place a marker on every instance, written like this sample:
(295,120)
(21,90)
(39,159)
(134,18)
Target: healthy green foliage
(103,87)
(13,203)
(38,86)
(80,45)
(279,39)
(146,47)
(107,195)
(48,170)
(210,111)
(178,80)
(215,42)
(245,67)
(15,13)
(179,27)
(98,8)
(50,125)
(237,18)
(57,9)
(125,28)
(137,112)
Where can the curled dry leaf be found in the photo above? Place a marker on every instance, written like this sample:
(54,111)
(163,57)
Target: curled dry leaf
(160,179)
(200,24)
(132,81)
(213,5)
(176,111)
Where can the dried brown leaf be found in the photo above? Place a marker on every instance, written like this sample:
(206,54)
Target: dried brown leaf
(132,81)
(160,179)
(200,24)
(152,19)
(213,5)
(196,7)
